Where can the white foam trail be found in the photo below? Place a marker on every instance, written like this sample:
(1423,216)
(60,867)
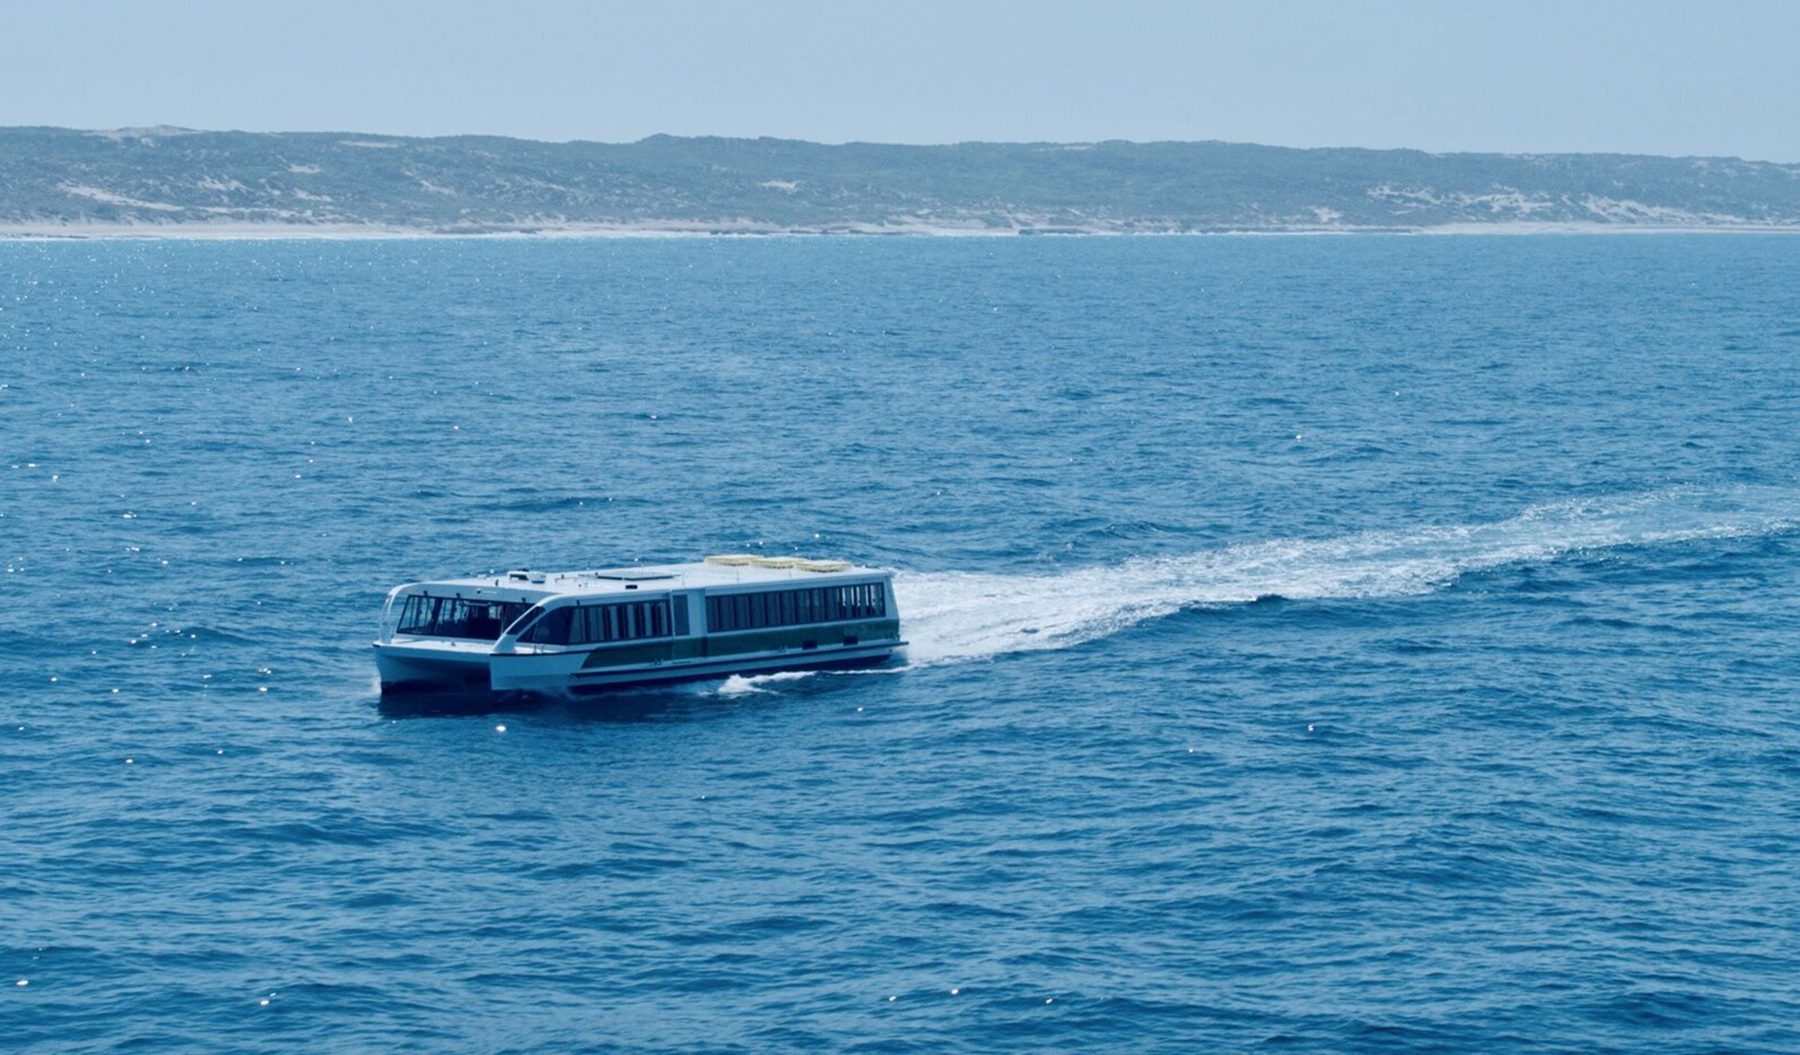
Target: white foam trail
(951,616)
(740,685)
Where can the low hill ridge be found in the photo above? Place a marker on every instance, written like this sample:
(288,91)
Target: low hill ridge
(174,181)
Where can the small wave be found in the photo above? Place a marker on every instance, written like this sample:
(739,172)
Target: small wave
(952,616)
(553,503)
(207,633)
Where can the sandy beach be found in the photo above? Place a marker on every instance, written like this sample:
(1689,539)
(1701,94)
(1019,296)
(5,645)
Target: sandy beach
(54,231)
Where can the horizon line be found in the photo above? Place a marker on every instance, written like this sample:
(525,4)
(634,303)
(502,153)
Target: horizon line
(169,130)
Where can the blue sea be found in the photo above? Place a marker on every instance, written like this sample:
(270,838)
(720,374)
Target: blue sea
(1358,644)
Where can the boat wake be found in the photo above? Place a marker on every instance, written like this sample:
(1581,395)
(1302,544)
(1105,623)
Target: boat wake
(951,616)
(745,684)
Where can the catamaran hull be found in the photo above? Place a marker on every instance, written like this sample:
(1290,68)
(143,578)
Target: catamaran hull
(426,670)
(711,672)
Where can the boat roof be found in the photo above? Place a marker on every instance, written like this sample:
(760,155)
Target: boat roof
(640,577)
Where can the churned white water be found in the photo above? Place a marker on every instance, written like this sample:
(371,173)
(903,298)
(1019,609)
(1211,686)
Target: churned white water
(972,615)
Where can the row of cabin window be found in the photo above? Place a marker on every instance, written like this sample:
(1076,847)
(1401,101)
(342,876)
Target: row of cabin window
(477,620)
(828,604)
(596,624)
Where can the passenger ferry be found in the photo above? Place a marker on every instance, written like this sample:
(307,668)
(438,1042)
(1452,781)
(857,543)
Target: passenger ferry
(588,631)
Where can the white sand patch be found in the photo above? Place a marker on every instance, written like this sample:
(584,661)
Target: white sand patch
(535,184)
(1627,210)
(110,198)
(204,230)
(1502,201)
(1513,201)
(1521,227)
(146,136)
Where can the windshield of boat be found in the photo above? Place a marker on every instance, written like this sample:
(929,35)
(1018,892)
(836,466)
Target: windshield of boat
(477,620)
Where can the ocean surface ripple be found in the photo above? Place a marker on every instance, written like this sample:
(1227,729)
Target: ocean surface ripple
(1320,645)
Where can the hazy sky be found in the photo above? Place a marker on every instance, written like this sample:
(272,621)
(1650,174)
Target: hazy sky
(1717,77)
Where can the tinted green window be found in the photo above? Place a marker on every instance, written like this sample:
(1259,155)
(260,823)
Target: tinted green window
(771,608)
(552,629)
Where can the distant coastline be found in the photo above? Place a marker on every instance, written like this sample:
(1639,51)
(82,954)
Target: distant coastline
(181,183)
(201,232)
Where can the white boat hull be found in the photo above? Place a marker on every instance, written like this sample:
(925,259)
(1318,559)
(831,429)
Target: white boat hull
(406,668)
(403,667)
